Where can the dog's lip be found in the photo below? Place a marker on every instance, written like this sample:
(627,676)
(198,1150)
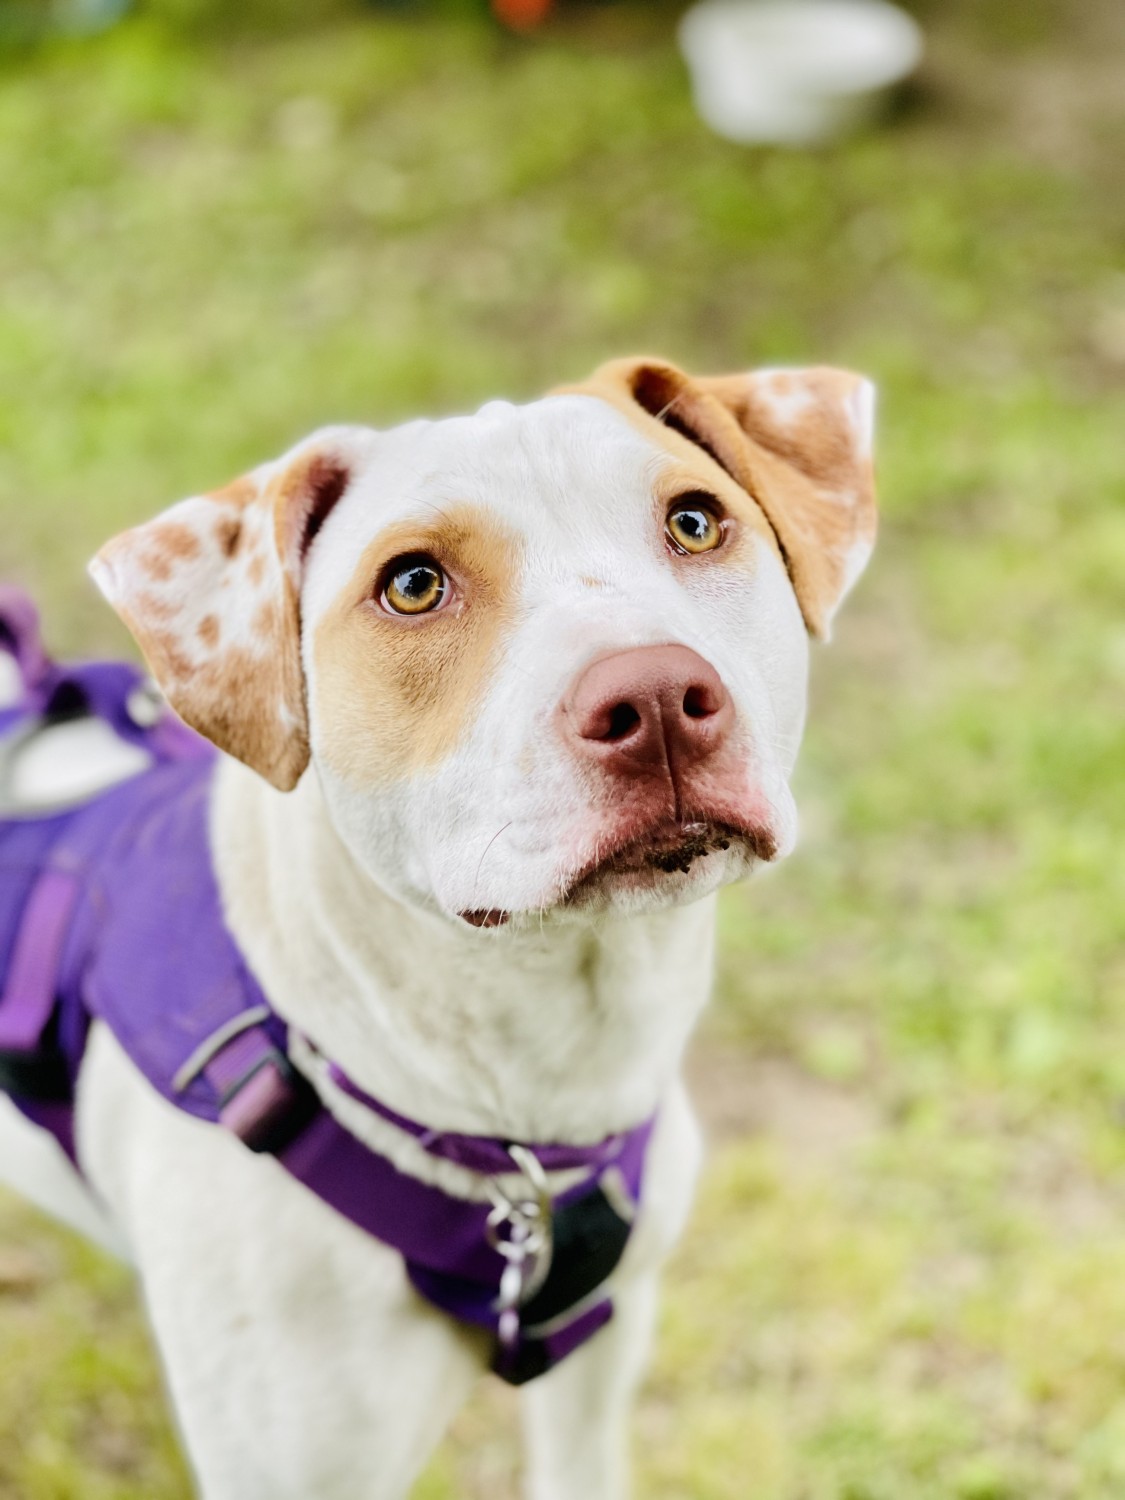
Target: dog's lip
(671,847)
(666,846)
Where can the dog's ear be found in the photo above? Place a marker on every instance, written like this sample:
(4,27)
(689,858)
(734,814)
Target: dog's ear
(799,441)
(211,591)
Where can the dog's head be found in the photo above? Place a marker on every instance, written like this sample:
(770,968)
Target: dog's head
(545,658)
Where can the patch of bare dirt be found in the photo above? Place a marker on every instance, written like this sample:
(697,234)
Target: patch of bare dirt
(21,1271)
(1057,103)
(817,1123)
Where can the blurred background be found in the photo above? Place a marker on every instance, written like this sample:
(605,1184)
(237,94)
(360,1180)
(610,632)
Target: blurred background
(223,225)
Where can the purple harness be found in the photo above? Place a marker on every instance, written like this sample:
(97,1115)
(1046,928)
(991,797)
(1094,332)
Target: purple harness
(110,910)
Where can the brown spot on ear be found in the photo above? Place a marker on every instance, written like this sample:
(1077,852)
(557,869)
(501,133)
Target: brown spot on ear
(156,564)
(208,631)
(168,544)
(154,608)
(179,543)
(228,534)
(396,695)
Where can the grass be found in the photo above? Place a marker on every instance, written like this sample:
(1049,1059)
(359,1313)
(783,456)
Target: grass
(904,1279)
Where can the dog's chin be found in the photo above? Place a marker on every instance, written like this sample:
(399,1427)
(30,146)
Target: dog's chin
(669,864)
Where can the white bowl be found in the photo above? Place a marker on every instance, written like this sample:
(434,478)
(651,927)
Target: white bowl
(795,71)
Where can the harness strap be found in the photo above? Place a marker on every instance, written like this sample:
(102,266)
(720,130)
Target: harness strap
(29,994)
(274,1110)
(38,1064)
(449,1244)
(480,1153)
(30,1065)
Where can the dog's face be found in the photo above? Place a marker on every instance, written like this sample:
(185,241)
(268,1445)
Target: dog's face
(548,658)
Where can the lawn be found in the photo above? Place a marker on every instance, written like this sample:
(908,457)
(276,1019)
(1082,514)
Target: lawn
(906,1276)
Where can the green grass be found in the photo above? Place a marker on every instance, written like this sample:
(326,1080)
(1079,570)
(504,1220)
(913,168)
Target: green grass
(904,1281)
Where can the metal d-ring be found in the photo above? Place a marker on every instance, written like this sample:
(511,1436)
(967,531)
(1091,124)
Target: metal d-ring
(529,1243)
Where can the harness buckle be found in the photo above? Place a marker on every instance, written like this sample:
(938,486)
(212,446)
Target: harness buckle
(269,1104)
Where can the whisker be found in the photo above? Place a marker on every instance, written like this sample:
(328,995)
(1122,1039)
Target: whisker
(488,846)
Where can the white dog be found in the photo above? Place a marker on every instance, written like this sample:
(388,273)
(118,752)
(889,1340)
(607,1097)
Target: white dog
(504,700)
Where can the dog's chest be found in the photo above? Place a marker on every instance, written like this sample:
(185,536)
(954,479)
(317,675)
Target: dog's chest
(561,1034)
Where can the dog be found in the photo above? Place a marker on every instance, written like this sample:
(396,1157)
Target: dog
(500,702)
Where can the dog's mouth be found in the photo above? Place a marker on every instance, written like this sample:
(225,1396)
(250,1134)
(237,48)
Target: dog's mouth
(669,849)
(493,917)
(666,849)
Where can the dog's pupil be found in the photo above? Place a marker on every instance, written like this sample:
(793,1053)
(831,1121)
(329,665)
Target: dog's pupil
(416,583)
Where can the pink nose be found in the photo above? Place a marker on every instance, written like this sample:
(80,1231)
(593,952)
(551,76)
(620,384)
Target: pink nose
(653,708)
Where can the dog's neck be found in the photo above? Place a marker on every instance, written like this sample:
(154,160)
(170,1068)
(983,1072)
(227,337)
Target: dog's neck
(569,1033)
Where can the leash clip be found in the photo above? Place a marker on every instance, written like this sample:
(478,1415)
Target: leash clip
(528,1245)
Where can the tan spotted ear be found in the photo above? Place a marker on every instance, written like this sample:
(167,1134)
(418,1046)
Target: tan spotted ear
(211,591)
(799,441)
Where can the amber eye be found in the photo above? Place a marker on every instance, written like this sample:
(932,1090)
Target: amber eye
(692,526)
(413,586)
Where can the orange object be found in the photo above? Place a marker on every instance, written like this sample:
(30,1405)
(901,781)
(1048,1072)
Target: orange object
(521,15)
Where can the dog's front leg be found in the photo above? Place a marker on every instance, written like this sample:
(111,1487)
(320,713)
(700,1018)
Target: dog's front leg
(301,1364)
(576,1419)
(308,1421)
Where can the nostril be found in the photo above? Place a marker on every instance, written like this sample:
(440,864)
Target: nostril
(699,703)
(623,719)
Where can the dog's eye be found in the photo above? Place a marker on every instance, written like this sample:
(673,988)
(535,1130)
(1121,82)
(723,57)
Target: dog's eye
(413,586)
(692,526)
